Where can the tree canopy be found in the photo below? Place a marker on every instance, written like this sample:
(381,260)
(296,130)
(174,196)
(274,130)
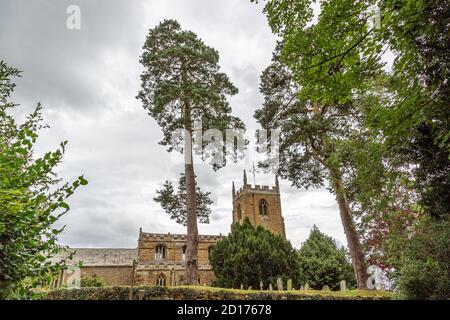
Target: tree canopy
(182,86)
(393,159)
(323,262)
(174,202)
(312,136)
(249,255)
(342,52)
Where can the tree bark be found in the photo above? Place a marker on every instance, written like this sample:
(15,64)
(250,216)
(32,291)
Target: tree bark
(191,270)
(191,276)
(354,245)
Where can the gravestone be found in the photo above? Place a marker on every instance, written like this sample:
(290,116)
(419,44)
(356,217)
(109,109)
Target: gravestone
(270,287)
(302,288)
(343,285)
(325,288)
(289,285)
(242,286)
(307,286)
(261,286)
(280,284)
(250,288)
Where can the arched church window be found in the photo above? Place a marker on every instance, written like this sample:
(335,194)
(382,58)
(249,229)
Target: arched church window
(161,280)
(263,207)
(183,255)
(239,212)
(160,252)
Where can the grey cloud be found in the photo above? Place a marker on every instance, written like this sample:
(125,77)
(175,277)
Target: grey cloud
(88,79)
(65,68)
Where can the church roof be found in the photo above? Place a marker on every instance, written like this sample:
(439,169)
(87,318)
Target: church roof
(99,256)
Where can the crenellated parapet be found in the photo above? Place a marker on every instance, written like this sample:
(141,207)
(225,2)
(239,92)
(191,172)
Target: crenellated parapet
(256,189)
(248,188)
(168,237)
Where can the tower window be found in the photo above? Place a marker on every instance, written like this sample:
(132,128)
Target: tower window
(263,208)
(239,212)
(160,252)
(161,280)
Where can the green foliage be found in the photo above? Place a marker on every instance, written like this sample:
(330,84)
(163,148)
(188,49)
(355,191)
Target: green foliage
(32,198)
(182,85)
(417,126)
(92,281)
(318,91)
(174,203)
(251,254)
(207,293)
(322,262)
(338,57)
(311,134)
(395,159)
(314,134)
(422,261)
(280,110)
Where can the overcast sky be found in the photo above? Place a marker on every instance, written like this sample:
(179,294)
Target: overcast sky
(87,81)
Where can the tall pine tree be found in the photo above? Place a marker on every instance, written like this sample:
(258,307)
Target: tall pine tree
(181,84)
(311,137)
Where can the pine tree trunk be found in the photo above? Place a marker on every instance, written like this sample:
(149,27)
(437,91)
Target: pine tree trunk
(191,276)
(354,245)
(191,271)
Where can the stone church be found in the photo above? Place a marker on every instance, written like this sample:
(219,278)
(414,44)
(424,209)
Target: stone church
(159,258)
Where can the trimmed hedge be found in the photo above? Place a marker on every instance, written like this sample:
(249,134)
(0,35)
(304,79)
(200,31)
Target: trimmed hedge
(207,293)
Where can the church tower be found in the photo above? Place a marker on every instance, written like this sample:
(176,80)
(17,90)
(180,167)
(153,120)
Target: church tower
(260,204)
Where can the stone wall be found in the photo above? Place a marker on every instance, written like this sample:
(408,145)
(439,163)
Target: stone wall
(248,199)
(115,266)
(149,269)
(173,277)
(113,275)
(144,274)
(173,243)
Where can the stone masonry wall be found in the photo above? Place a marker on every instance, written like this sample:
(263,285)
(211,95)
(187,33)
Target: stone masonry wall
(113,275)
(249,198)
(174,244)
(173,277)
